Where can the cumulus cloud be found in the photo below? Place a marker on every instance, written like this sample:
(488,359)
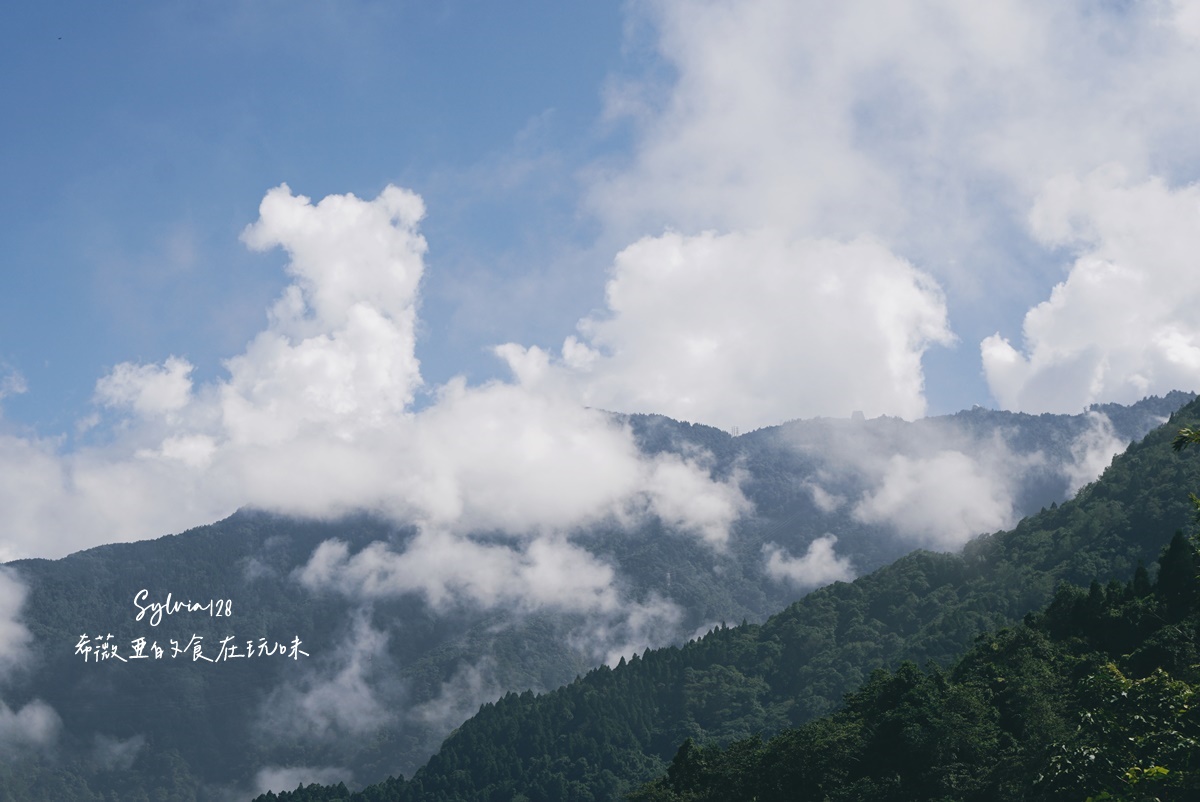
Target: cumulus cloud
(820,564)
(1123,324)
(147,389)
(750,329)
(843,159)
(340,353)
(317,417)
(934,127)
(917,121)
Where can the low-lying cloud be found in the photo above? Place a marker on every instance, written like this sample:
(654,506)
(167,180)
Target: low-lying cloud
(938,501)
(631,629)
(343,699)
(819,565)
(36,725)
(446,570)
(110,753)
(288,778)
(938,483)
(459,698)
(542,574)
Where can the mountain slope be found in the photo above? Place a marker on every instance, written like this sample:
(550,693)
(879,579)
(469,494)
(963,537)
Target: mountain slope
(1095,695)
(612,728)
(391,671)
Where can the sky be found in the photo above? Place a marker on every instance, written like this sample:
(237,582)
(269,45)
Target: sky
(324,256)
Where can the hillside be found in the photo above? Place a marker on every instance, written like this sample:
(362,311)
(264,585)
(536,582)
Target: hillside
(1096,695)
(390,674)
(611,729)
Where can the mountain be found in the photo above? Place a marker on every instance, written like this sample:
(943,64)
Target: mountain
(389,674)
(614,728)
(1095,697)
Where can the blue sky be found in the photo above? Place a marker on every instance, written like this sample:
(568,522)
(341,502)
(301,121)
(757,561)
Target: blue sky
(140,139)
(732,213)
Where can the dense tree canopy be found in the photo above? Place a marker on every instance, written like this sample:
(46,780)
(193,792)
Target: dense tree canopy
(1094,698)
(611,730)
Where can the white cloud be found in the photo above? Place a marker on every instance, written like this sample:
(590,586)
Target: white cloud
(525,456)
(147,389)
(826,502)
(932,126)
(631,629)
(36,724)
(939,501)
(446,569)
(1123,324)
(460,697)
(348,697)
(820,564)
(847,156)
(13,634)
(751,329)
(12,383)
(1092,451)
(544,574)
(942,481)
(112,753)
(917,121)
(340,350)
(1185,18)
(31,488)
(316,417)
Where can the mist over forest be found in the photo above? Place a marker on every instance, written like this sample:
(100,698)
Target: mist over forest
(648,400)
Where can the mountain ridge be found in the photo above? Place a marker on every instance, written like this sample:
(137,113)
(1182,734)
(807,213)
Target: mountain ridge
(797,665)
(426,667)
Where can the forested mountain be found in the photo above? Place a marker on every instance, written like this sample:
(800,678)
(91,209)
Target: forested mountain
(613,728)
(388,675)
(1096,697)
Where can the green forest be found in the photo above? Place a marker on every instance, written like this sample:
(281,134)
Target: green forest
(192,733)
(1025,713)
(1093,698)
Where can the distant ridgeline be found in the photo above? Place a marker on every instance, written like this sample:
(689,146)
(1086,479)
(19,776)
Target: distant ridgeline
(385,683)
(607,733)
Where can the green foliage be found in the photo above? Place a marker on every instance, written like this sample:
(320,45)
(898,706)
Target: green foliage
(1046,711)
(942,736)
(612,729)
(1188,436)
